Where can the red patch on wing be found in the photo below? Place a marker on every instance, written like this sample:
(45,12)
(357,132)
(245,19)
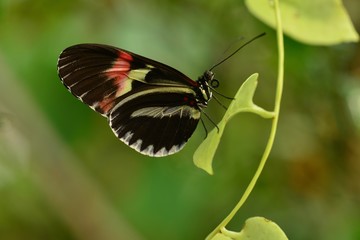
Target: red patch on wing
(106,105)
(126,56)
(118,72)
(121,66)
(189,101)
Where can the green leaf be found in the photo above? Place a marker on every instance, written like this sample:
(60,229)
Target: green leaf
(261,228)
(243,102)
(255,228)
(317,22)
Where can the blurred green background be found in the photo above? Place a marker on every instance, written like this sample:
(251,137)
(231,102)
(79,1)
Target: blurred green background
(64,175)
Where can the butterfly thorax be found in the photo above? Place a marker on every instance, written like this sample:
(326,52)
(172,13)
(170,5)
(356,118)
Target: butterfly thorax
(204,93)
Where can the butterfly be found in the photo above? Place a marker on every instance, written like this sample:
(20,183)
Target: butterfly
(150,106)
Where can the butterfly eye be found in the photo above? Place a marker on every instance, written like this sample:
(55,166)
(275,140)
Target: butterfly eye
(214,83)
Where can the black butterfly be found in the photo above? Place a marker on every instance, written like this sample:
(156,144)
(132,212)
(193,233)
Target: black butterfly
(150,106)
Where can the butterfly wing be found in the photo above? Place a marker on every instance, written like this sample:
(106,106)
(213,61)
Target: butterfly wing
(149,105)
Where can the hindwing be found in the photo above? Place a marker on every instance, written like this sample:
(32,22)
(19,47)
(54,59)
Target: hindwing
(155,123)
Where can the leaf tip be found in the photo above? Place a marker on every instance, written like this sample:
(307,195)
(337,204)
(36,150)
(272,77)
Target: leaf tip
(204,165)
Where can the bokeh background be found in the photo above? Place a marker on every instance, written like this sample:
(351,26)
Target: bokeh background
(64,175)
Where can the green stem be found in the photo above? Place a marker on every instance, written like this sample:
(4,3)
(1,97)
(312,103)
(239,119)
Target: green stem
(279,90)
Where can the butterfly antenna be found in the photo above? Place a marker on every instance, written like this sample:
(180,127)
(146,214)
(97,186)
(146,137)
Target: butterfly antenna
(232,54)
(236,41)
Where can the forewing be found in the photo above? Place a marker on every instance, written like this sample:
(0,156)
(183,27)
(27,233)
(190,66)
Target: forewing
(99,75)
